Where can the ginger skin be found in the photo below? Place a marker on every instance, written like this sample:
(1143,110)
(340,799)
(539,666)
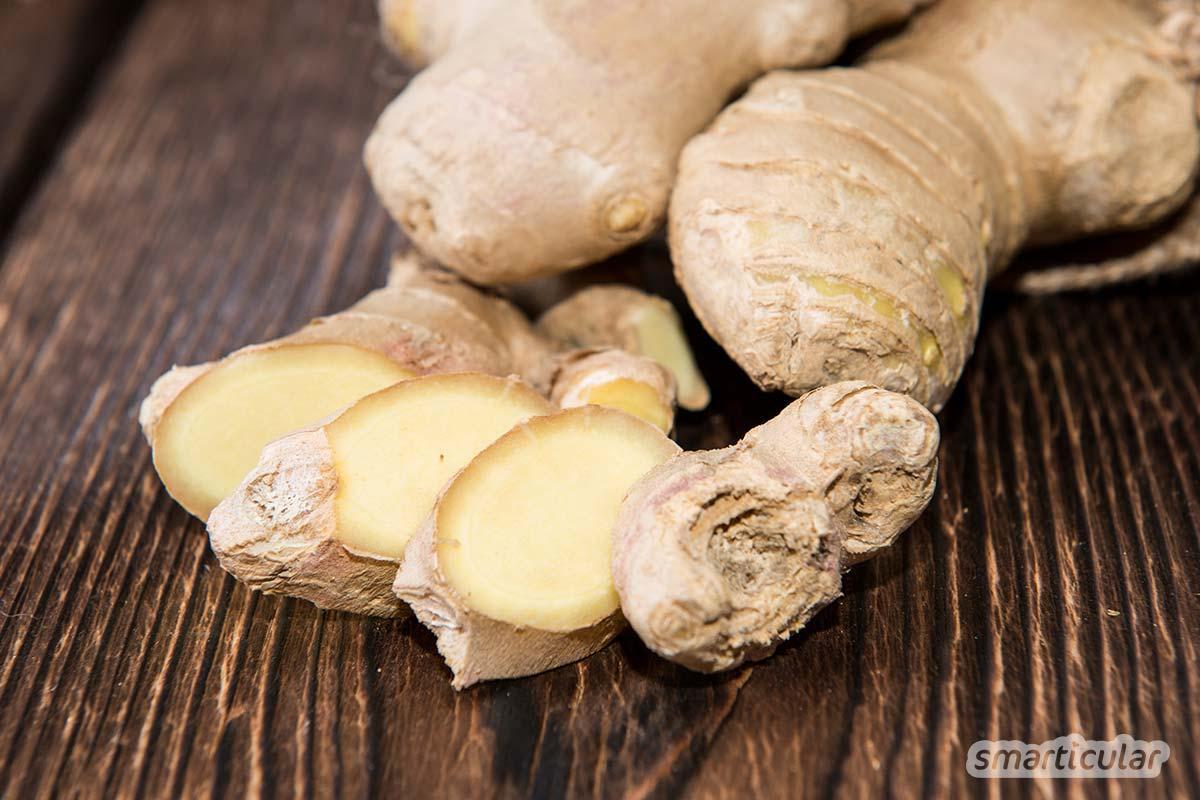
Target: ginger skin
(588,102)
(841,224)
(719,556)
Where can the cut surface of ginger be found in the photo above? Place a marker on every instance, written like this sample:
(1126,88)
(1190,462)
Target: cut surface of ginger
(660,338)
(396,449)
(633,397)
(211,435)
(524,534)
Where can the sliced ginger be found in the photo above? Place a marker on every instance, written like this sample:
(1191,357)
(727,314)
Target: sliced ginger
(511,571)
(395,450)
(207,423)
(524,534)
(327,511)
(614,315)
(635,398)
(212,434)
(635,384)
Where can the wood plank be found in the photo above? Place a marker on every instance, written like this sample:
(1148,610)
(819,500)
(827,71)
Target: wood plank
(212,196)
(54,52)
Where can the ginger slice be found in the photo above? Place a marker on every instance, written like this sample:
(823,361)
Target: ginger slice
(660,336)
(614,315)
(511,571)
(211,433)
(637,385)
(634,398)
(327,512)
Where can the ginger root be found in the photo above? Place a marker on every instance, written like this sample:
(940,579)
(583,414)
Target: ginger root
(719,556)
(546,136)
(208,423)
(326,513)
(625,318)
(511,570)
(841,223)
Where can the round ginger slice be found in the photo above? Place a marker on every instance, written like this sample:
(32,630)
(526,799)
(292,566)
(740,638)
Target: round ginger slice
(395,450)
(211,435)
(512,570)
(525,533)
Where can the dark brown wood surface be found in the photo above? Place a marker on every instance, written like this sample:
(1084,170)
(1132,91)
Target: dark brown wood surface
(194,184)
(52,54)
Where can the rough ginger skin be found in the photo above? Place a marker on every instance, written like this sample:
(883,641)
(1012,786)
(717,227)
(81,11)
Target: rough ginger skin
(275,533)
(546,137)
(718,556)
(476,647)
(841,224)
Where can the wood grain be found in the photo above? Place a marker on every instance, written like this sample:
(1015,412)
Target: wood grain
(54,53)
(209,194)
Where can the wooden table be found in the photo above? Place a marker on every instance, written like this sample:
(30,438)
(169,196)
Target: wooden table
(181,178)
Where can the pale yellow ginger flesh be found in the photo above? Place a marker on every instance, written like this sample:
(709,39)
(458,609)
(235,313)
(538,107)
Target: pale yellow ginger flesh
(661,338)
(643,390)
(396,449)
(634,398)
(637,385)
(211,435)
(524,534)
